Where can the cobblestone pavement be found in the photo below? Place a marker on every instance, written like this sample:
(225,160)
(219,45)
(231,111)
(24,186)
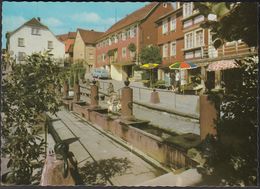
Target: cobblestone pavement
(93,144)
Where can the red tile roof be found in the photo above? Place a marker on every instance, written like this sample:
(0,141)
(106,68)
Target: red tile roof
(68,39)
(137,15)
(89,36)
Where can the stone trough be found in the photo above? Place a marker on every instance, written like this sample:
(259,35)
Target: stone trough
(161,146)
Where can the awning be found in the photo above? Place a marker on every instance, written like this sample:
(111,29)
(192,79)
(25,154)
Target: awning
(222,65)
(149,66)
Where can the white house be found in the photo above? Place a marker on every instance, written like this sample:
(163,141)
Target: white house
(32,37)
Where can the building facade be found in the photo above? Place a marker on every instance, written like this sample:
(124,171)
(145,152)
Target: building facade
(170,40)
(32,37)
(138,29)
(84,49)
(68,39)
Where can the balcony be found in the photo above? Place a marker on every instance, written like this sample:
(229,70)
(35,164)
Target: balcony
(238,50)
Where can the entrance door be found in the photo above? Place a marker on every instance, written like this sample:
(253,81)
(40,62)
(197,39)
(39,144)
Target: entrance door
(210,83)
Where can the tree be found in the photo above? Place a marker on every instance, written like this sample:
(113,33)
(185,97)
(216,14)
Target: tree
(231,156)
(30,91)
(131,47)
(150,54)
(235,21)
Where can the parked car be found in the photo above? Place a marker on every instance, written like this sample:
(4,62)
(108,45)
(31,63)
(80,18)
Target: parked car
(100,73)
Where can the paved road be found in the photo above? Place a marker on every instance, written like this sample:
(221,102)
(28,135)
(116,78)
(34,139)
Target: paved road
(93,144)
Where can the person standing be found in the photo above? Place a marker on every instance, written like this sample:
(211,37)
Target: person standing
(177,80)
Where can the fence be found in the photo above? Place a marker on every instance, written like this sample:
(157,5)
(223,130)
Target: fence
(169,101)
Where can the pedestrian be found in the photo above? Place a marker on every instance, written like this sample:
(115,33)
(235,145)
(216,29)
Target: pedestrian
(177,80)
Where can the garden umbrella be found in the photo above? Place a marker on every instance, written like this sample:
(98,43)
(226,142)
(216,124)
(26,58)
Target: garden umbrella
(149,66)
(182,66)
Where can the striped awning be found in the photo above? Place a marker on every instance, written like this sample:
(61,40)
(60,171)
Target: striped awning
(222,65)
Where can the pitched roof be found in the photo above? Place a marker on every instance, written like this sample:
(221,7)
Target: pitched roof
(68,39)
(89,36)
(168,14)
(137,15)
(33,22)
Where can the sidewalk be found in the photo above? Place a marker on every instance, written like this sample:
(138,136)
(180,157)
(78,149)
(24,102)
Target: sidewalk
(94,145)
(185,105)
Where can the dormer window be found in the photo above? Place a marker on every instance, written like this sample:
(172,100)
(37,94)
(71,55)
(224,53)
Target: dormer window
(36,31)
(165,5)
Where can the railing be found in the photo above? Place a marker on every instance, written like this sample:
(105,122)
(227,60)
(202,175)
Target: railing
(227,51)
(168,99)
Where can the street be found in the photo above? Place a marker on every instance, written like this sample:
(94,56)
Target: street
(93,144)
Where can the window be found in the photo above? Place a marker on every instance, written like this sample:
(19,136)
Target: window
(198,19)
(173,24)
(103,57)
(199,39)
(123,36)
(116,38)
(91,56)
(187,23)
(165,5)
(173,48)
(165,27)
(50,45)
(198,53)
(35,31)
(20,42)
(127,33)
(132,54)
(176,5)
(165,50)
(124,52)
(109,41)
(133,32)
(188,55)
(187,9)
(188,38)
(21,56)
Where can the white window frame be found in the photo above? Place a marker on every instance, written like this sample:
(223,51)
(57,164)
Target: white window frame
(187,23)
(21,42)
(35,31)
(50,44)
(195,38)
(21,56)
(192,40)
(173,51)
(165,50)
(173,24)
(124,52)
(103,57)
(187,9)
(123,36)
(198,19)
(189,55)
(165,26)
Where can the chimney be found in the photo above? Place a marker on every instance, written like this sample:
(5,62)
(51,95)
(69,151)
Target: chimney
(39,19)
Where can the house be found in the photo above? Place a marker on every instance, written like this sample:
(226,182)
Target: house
(68,39)
(33,36)
(199,49)
(119,47)
(170,40)
(84,49)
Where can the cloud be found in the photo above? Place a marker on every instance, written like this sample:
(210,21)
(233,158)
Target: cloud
(92,18)
(10,23)
(52,22)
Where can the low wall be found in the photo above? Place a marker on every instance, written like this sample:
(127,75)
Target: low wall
(152,145)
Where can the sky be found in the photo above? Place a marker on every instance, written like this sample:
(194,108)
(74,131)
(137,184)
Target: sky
(62,17)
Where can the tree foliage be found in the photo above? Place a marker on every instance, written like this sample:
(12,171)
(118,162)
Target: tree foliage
(29,91)
(231,157)
(235,21)
(150,54)
(131,47)
(76,71)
